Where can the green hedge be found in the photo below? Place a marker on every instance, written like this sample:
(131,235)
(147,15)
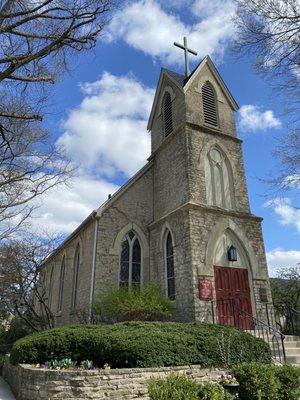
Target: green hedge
(143,344)
(257,382)
(265,382)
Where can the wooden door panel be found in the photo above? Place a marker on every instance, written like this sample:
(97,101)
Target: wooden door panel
(233,297)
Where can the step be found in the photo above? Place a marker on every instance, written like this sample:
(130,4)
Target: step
(293,359)
(292,352)
(291,338)
(292,345)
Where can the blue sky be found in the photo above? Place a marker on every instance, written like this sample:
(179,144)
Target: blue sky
(99,113)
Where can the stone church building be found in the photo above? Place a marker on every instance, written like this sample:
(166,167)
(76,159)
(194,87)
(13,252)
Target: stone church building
(183,220)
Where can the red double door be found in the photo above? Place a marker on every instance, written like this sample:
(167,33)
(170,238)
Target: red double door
(233,299)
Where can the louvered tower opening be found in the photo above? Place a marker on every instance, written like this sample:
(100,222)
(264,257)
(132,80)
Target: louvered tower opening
(167,109)
(209,104)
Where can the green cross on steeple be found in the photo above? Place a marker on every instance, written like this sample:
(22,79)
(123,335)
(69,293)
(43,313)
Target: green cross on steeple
(186,55)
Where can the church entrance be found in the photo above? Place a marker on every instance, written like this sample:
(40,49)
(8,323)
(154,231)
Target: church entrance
(233,298)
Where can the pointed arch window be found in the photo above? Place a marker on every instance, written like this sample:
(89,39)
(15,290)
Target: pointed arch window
(209,102)
(167,114)
(219,181)
(76,276)
(130,261)
(51,285)
(61,284)
(170,274)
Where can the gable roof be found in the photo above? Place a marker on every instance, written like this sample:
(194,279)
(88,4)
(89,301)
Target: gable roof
(207,61)
(176,78)
(183,84)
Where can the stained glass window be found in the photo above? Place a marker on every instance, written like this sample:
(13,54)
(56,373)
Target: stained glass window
(170,267)
(76,275)
(130,261)
(61,284)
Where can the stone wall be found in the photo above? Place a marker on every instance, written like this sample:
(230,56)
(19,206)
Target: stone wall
(178,113)
(52,270)
(40,384)
(132,209)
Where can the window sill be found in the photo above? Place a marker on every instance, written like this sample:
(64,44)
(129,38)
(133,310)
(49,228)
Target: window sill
(213,127)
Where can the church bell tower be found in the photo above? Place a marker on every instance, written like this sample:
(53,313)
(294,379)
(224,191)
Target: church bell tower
(201,198)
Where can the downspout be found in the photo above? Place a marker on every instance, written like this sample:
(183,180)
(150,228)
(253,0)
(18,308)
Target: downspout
(93,270)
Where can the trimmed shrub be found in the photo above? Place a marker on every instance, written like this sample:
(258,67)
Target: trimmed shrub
(175,387)
(257,382)
(179,387)
(140,344)
(289,382)
(147,303)
(213,391)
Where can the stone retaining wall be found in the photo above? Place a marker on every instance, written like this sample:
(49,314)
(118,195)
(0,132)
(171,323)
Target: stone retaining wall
(29,383)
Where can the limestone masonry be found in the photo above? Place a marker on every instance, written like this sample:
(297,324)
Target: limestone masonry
(28,383)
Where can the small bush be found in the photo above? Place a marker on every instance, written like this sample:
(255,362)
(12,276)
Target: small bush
(179,387)
(140,344)
(289,382)
(257,382)
(213,391)
(86,364)
(66,363)
(175,387)
(147,303)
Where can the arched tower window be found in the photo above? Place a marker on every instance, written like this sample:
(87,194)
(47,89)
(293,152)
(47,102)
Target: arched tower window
(167,114)
(130,261)
(76,275)
(170,275)
(209,102)
(61,284)
(219,182)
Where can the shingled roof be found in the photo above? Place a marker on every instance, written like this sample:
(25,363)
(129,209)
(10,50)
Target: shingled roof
(179,78)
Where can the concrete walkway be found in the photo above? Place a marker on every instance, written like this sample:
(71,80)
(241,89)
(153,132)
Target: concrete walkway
(5,392)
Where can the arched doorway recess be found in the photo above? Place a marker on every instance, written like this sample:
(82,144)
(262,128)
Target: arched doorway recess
(233,281)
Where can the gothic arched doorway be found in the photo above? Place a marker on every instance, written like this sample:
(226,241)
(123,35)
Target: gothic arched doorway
(232,284)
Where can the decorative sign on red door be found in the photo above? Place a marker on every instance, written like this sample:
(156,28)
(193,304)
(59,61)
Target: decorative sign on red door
(205,289)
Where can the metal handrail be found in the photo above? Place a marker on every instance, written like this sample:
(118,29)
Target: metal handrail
(244,320)
(295,311)
(288,320)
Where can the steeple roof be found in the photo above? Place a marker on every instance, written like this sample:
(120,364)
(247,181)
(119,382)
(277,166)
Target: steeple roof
(183,84)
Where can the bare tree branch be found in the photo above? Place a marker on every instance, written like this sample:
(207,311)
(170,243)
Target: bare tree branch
(23,289)
(37,39)
(269,31)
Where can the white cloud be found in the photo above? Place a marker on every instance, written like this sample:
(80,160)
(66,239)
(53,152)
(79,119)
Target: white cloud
(251,118)
(296,71)
(279,259)
(146,26)
(288,214)
(63,208)
(107,132)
